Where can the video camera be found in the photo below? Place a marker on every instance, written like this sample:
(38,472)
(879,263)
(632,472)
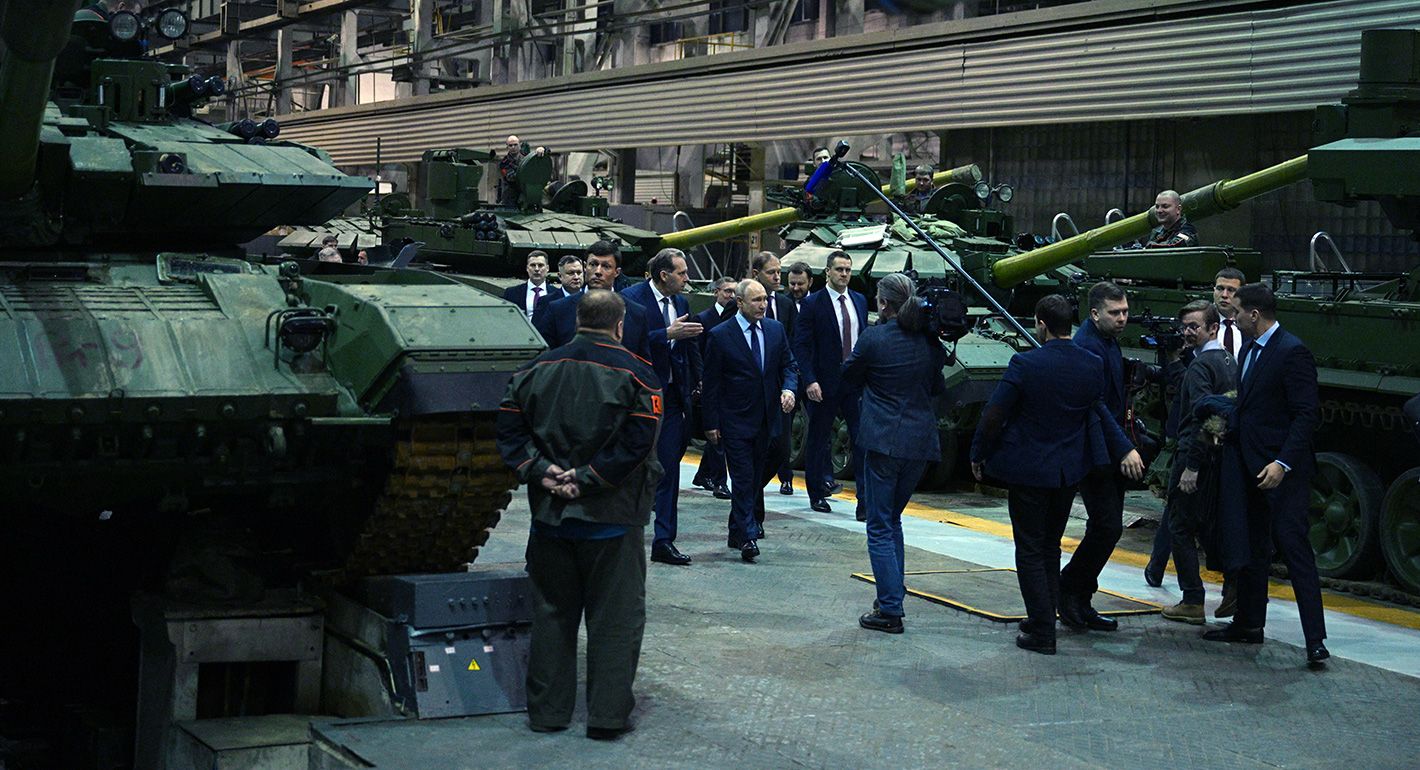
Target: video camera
(1164,332)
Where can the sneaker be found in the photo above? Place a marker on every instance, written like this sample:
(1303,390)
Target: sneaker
(1184,613)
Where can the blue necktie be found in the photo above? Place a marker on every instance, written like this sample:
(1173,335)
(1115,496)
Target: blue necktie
(754,349)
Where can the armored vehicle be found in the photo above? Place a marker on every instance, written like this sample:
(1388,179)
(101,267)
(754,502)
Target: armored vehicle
(180,419)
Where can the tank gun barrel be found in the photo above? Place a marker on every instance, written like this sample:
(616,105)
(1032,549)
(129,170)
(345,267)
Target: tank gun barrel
(35,32)
(1201,203)
(719,231)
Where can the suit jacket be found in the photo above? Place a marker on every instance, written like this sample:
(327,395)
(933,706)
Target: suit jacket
(677,365)
(818,345)
(552,296)
(901,376)
(559,325)
(738,399)
(1278,405)
(518,295)
(785,313)
(1116,441)
(1035,429)
(709,319)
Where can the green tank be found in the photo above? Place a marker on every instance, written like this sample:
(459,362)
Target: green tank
(171,408)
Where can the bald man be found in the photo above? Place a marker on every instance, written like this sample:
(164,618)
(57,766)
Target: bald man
(1174,229)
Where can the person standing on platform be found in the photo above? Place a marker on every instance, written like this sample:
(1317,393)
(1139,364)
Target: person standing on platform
(1173,229)
(898,364)
(528,294)
(578,425)
(1035,436)
(824,335)
(558,325)
(750,378)
(1276,414)
(1102,491)
(711,475)
(766,269)
(675,356)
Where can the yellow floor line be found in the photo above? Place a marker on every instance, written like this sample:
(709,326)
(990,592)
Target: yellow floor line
(1350,605)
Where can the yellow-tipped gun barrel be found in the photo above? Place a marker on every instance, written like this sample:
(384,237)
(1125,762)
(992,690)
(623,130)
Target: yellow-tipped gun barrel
(1198,204)
(719,231)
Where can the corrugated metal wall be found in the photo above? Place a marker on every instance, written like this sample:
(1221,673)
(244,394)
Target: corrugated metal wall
(1267,60)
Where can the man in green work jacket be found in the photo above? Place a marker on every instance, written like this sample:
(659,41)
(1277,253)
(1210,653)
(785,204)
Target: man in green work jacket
(578,425)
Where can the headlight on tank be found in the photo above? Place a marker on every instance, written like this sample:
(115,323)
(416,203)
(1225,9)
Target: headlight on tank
(982,190)
(1005,193)
(124,26)
(172,24)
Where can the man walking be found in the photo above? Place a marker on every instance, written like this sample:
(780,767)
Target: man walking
(578,426)
(711,474)
(766,269)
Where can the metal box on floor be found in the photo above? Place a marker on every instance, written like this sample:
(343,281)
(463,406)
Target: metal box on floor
(274,742)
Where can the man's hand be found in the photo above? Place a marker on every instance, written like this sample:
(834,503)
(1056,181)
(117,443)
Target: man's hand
(814,392)
(1271,475)
(1188,482)
(786,401)
(539,151)
(1132,465)
(713,436)
(977,469)
(682,329)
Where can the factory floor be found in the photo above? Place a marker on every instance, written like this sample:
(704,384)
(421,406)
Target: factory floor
(764,665)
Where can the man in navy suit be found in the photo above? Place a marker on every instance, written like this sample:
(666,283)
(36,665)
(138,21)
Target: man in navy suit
(569,276)
(527,294)
(827,328)
(711,473)
(1102,491)
(1035,435)
(766,269)
(675,357)
(559,324)
(750,377)
(1277,412)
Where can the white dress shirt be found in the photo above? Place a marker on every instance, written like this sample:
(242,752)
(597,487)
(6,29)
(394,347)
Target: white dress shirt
(853,326)
(530,298)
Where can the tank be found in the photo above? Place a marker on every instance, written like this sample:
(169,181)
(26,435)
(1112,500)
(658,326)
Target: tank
(182,419)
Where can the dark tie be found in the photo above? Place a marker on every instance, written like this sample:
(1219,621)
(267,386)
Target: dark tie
(1228,336)
(537,294)
(754,349)
(772,303)
(847,327)
(667,311)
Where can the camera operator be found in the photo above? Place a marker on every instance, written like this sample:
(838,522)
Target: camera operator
(898,363)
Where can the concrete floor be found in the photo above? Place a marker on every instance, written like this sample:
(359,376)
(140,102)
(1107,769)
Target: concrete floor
(764,665)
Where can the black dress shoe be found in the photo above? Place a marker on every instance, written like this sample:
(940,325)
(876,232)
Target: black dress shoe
(537,728)
(608,733)
(1153,576)
(666,553)
(722,492)
(821,506)
(860,514)
(1045,645)
(833,488)
(1070,615)
(1317,655)
(703,483)
(786,488)
(1235,633)
(876,621)
(1096,621)
(749,551)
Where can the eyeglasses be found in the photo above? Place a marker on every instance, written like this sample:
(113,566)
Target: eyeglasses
(1193,327)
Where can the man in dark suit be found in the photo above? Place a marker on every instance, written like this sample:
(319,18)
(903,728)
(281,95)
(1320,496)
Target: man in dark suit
(559,324)
(1035,435)
(824,335)
(799,283)
(1102,491)
(765,268)
(527,294)
(675,356)
(1277,412)
(569,278)
(750,379)
(711,473)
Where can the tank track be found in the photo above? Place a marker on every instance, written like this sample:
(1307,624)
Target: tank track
(447,489)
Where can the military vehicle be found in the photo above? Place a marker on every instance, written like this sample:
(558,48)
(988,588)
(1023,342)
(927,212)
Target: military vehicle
(179,419)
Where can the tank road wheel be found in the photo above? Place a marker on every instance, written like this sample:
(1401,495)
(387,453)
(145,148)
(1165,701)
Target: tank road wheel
(940,473)
(1400,530)
(841,450)
(798,427)
(1344,514)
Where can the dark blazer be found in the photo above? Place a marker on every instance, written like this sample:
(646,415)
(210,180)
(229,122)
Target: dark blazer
(785,313)
(547,299)
(817,344)
(1034,430)
(559,325)
(1278,405)
(709,319)
(518,294)
(901,376)
(739,400)
(1116,441)
(684,358)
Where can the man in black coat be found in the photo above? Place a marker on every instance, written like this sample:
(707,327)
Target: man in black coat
(766,269)
(1277,412)
(528,294)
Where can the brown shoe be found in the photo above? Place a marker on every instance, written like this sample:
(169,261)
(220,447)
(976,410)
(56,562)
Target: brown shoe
(1184,613)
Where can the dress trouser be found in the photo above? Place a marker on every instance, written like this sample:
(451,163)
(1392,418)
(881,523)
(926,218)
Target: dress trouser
(786,432)
(1279,516)
(746,458)
(1182,517)
(605,580)
(887,485)
(1102,491)
(1038,518)
(670,447)
(712,464)
(818,440)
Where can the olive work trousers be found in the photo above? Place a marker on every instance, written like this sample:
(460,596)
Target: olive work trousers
(605,581)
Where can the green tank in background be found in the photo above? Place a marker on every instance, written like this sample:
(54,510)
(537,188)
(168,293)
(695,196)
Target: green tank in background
(178,418)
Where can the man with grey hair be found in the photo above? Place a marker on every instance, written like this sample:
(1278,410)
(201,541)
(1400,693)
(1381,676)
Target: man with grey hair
(676,360)
(1173,229)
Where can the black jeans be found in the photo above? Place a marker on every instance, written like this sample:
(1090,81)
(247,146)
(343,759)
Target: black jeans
(1102,491)
(1038,517)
